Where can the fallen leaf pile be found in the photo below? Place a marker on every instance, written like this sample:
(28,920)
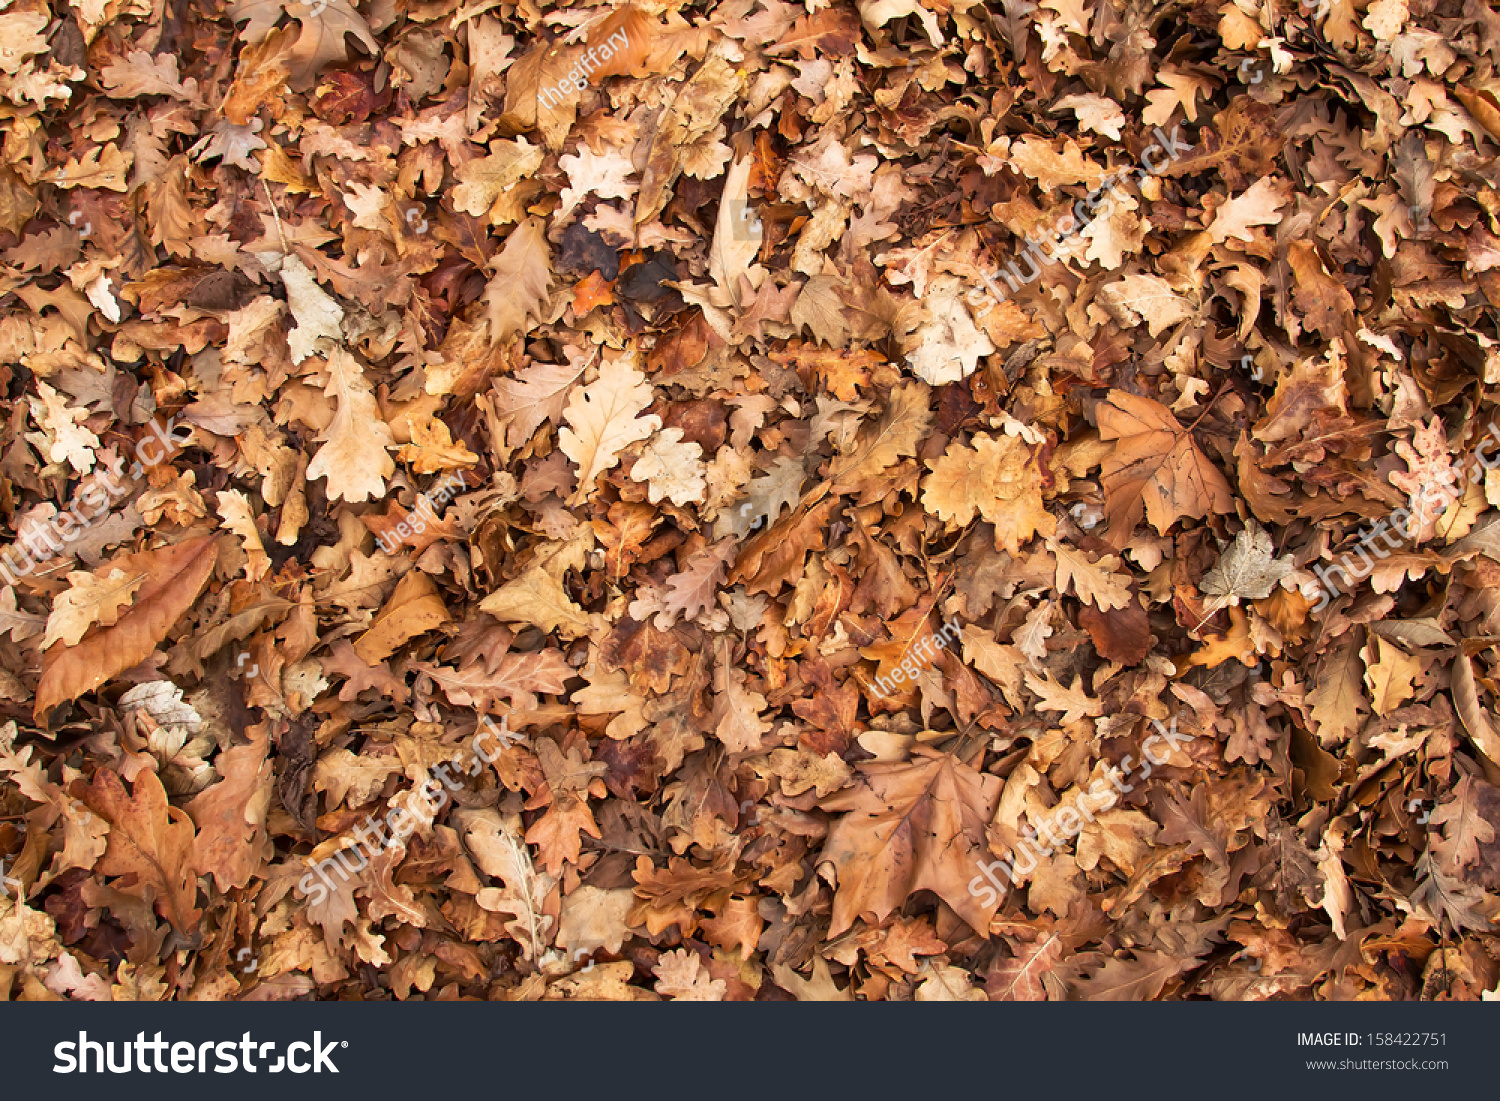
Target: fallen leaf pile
(811,438)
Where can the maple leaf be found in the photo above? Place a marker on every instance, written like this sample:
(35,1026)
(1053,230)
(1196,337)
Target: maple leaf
(354,456)
(1155,466)
(603,418)
(998,479)
(909,826)
(1247,570)
(175,575)
(150,842)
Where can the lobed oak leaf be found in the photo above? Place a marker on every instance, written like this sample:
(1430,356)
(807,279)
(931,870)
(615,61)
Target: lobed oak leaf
(354,456)
(538,598)
(150,842)
(998,479)
(886,441)
(63,437)
(672,469)
(317,314)
(515,677)
(1074,702)
(483,181)
(140,74)
(680,976)
(175,575)
(1338,697)
(1465,829)
(350,779)
(497,847)
(1092,582)
(534,395)
(603,418)
(16,623)
(594,918)
(522,282)
(819,988)
(91,599)
(101,168)
(1131,980)
(231,814)
(324,25)
(415,608)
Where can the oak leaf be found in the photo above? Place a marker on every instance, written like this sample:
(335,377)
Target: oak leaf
(91,599)
(354,456)
(175,575)
(231,814)
(519,289)
(150,842)
(515,677)
(603,418)
(324,23)
(534,395)
(998,479)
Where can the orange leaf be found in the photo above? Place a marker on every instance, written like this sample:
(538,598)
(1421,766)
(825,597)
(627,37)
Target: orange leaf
(591,291)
